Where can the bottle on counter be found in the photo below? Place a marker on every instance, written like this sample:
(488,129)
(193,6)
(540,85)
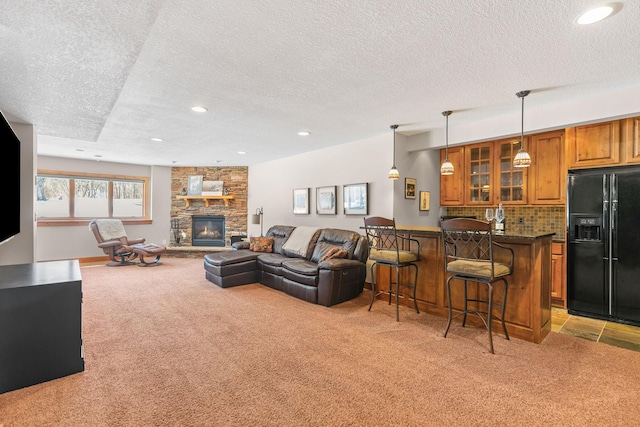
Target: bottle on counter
(500,220)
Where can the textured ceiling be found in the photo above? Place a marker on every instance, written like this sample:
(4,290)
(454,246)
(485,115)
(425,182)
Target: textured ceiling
(105,77)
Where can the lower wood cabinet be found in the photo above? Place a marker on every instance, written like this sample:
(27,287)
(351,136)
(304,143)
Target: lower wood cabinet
(558,275)
(528,310)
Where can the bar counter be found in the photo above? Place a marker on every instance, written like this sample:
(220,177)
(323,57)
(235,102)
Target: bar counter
(528,306)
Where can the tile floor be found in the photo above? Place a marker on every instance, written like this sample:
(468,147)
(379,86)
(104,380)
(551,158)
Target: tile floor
(611,333)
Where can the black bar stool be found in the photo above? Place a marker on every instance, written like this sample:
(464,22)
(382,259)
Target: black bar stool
(388,249)
(468,256)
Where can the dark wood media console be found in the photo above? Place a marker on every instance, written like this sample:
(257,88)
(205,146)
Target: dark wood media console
(40,323)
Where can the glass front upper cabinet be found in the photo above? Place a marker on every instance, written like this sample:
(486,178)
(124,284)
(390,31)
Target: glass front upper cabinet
(511,180)
(479,162)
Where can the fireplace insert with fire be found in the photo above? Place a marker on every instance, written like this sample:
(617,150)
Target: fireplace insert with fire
(207,230)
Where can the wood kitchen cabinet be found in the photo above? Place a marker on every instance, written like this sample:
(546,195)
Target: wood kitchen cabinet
(558,275)
(510,181)
(547,175)
(452,186)
(479,167)
(594,145)
(631,138)
(484,172)
(485,175)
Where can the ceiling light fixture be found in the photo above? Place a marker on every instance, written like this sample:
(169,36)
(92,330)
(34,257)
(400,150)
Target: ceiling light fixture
(157,139)
(199,109)
(303,133)
(393,173)
(242,152)
(595,15)
(522,158)
(447,166)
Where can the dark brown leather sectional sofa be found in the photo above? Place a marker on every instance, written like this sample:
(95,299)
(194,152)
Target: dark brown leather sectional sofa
(308,277)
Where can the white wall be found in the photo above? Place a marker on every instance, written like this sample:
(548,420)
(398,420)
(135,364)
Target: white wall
(21,248)
(560,114)
(424,167)
(271,184)
(68,242)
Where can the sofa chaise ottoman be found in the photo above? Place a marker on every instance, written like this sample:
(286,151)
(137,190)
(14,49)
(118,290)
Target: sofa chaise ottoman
(324,266)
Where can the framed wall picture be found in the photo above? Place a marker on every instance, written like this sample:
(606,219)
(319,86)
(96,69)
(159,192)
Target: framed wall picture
(326,200)
(194,185)
(409,188)
(301,201)
(212,188)
(355,199)
(425,200)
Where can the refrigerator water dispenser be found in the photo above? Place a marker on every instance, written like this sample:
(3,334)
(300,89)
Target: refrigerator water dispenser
(587,228)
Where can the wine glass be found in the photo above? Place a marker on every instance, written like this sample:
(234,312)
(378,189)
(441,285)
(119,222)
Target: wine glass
(488,214)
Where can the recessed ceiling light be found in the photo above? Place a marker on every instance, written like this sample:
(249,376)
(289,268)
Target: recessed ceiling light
(242,152)
(594,15)
(199,109)
(157,139)
(303,133)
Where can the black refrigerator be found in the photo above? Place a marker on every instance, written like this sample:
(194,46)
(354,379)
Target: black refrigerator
(603,263)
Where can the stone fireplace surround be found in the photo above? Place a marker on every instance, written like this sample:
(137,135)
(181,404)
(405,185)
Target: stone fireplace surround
(234,178)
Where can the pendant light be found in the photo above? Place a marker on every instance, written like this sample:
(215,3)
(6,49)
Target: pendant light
(522,158)
(447,166)
(393,173)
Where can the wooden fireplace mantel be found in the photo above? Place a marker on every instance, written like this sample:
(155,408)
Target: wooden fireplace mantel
(207,199)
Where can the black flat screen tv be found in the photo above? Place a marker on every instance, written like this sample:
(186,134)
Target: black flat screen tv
(10,178)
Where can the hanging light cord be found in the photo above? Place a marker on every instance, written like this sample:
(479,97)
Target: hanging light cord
(446,153)
(521,95)
(393,173)
(522,124)
(394,127)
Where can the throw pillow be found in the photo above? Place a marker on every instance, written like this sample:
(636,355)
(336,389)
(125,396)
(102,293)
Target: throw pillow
(334,253)
(261,244)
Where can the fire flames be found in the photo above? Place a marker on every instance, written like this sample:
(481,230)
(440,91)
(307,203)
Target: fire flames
(207,233)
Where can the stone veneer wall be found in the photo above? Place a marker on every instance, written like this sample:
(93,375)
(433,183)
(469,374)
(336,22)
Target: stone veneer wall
(535,219)
(234,178)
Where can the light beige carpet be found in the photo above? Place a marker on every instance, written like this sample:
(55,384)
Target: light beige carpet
(163,346)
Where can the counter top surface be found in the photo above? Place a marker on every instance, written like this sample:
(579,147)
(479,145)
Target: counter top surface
(507,235)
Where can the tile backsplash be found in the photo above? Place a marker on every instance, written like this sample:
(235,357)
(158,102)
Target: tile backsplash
(522,219)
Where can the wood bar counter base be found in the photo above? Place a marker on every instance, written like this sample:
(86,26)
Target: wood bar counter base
(528,305)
